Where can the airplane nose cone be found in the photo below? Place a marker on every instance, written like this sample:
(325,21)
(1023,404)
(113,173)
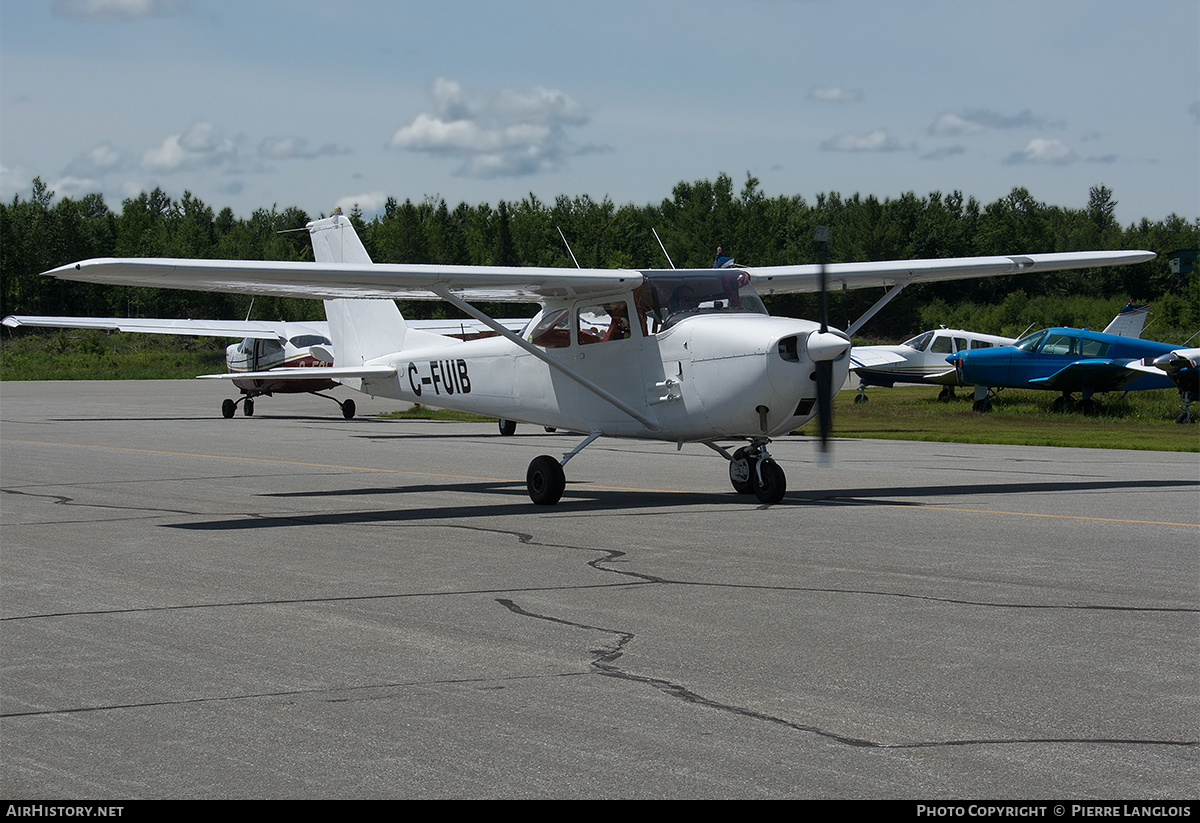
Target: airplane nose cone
(828,345)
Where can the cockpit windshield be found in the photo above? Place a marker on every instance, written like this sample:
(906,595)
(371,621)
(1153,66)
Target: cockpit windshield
(920,341)
(669,296)
(1030,342)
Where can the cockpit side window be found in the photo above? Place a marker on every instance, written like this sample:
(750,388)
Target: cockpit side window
(1060,344)
(941,345)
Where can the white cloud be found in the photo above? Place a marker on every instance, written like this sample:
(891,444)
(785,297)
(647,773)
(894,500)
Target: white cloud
(201,146)
(118,9)
(1043,150)
(97,162)
(834,94)
(368,202)
(515,132)
(878,140)
(949,124)
(295,148)
(975,121)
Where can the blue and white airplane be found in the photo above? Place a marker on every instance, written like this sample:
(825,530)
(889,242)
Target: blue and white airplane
(1068,360)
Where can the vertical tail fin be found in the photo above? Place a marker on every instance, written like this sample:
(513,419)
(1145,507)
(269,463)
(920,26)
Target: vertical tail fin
(1129,321)
(360,329)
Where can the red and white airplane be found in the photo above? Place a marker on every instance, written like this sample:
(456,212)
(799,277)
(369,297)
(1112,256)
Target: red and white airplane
(674,355)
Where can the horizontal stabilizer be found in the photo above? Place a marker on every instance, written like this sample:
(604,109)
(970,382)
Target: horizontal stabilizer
(306,373)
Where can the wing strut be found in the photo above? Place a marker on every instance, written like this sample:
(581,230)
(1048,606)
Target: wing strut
(879,304)
(445,293)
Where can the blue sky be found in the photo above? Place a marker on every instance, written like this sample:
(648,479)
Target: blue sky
(317,104)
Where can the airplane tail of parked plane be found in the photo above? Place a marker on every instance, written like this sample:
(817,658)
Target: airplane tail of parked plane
(359,329)
(1129,321)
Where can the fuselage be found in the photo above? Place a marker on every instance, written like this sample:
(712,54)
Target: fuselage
(1065,359)
(258,355)
(697,370)
(921,359)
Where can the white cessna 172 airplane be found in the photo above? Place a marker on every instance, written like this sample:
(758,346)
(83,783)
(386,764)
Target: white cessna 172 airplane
(923,358)
(674,355)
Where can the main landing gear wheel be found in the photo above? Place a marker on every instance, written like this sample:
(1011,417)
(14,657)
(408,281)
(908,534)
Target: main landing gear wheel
(741,471)
(228,408)
(545,480)
(348,409)
(769,482)
(248,408)
(984,405)
(507,427)
(946,394)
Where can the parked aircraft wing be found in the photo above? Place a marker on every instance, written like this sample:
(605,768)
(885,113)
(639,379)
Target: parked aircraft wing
(1099,375)
(198,328)
(780,279)
(872,357)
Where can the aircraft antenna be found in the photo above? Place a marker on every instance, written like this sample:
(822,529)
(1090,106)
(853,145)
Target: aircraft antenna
(824,368)
(568,245)
(251,309)
(661,246)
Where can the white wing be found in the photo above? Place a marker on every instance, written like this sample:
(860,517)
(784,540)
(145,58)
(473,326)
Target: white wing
(781,279)
(534,284)
(196,328)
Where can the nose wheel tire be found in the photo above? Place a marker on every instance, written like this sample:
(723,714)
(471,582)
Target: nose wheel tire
(741,471)
(545,480)
(770,483)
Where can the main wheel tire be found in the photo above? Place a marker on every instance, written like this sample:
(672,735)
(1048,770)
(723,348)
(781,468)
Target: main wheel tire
(545,480)
(348,409)
(770,484)
(248,408)
(984,405)
(507,427)
(228,408)
(861,398)
(741,471)
(1086,406)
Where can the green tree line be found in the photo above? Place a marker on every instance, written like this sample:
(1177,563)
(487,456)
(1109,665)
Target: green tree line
(40,233)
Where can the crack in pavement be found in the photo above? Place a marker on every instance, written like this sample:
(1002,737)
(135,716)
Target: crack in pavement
(605,663)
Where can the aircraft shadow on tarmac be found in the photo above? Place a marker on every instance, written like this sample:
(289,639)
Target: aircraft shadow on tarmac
(580,497)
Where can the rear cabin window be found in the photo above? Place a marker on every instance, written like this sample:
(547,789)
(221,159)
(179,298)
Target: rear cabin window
(1093,348)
